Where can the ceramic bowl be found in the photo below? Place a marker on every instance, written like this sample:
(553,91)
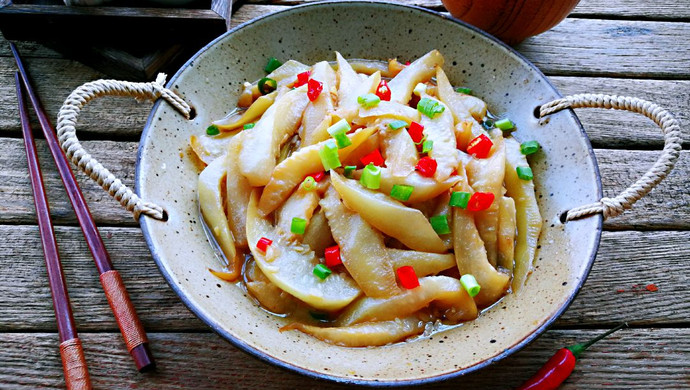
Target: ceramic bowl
(565,172)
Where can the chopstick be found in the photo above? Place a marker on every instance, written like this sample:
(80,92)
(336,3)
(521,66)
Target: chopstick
(132,331)
(73,360)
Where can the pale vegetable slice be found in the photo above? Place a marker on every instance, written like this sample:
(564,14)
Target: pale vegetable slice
(441,131)
(444,209)
(291,268)
(211,181)
(528,218)
(270,296)
(445,292)
(261,145)
(209,148)
(291,171)
(368,334)
(421,70)
(486,175)
(424,263)
(361,248)
(506,233)
(393,110)
(318,235)
(464,107)
(399,151)
(316,118)
(301,204)
(425,188)
(391,217)
(236,122)
(470,255)
(351,86)
(366,147)
(287,73)
(389,69)
(237,193)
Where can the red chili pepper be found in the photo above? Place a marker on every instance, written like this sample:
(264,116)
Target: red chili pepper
(561,365)
(302,79)
(416,132)
(373,158)
(426,166)
(383,92)
(314,89)
(408,278)
(332,255)
(480,201)
(318,176)
(263,244)
(480,146)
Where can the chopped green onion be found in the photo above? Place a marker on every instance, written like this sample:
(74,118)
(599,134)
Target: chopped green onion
(267,85)
(529,147)
(469,283)
(212,130)
(369,100)
(339,127)
(298,225)
(396,125)
(524,173)
(248,126)
(459,199)
(440,224)
(308,184)
(322,271)
(371,177)
(329,155)
(427,146)
(342,140)
(349,170)
(272,65)
(466,91)
(401,192)
(487,124)
(419,89)
(430,107)
(505,124)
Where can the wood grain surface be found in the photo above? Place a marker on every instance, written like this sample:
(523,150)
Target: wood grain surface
(606,46)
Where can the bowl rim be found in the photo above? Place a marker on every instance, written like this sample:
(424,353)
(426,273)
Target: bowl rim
(245,347)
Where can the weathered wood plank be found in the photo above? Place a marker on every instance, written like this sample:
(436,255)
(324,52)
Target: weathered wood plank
(629,359)
(623,261)
(665,207)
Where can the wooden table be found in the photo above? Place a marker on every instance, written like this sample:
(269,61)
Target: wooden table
(607,46)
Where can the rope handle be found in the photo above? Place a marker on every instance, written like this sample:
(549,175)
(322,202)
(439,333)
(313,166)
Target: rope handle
(67,120)
(74,365)
(611,207)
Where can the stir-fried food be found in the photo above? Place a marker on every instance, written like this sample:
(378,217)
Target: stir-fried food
(368,202)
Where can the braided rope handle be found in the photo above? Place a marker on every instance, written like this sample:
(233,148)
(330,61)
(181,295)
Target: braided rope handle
(67,135)
(611,207)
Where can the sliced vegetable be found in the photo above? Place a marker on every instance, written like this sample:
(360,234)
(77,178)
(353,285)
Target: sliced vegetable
(426,166)
(422,69)
(440,224)
(374,158)
(237,198)
(309,184)
(529,147)
(329,155)
(208,148)
(430,107)
(263,244)
(314,89)
(504,124)
(400,152)
(401,192)
(463,106)
(369,100)
(257,108)
(351,86)
(459,199)
(317,115)
(464,90)
(212,130)
(318,234)
(298,225)
(469,283)
(427,146)
(441,131)
(407,277)
(397,124)
(424,263)
(383,92)
(391,217)
(248,126)
(267,85)
(363,251)
(291,171)
(480,201)
(349,170)
(506,233)
(425,188)
(393,110)
(322,271)
(371,177)
(272,65)
(332,255)
(302,79)
(292,270)
(369,334)
(480,147)
(416,132)
(293,217)
(524,173)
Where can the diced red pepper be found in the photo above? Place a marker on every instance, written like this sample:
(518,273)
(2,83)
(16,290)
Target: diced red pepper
(407,63)
(480,201)
(302,79)
(383,92)
(314,89)
(480,146)
(407,276)
(318,176)
(373,158)
(416,132)
(426,166)
(332,254)
(263,244)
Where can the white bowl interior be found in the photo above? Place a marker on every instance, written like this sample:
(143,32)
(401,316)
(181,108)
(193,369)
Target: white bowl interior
(565,176)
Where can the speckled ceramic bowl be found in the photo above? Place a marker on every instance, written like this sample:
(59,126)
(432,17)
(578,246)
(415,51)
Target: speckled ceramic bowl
(566,176)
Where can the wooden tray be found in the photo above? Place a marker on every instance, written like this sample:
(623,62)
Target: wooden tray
(120,40)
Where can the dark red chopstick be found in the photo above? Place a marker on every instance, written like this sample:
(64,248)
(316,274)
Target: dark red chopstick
(73,361)
(115,291)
